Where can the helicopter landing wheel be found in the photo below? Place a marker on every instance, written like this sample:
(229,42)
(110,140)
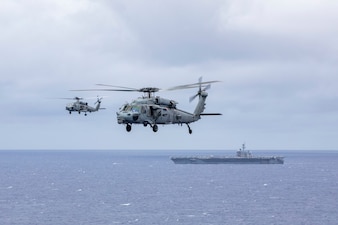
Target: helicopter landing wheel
(155,128)
(128,127)
(145,123)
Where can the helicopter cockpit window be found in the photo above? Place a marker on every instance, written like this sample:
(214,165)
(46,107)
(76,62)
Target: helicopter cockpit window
(124,107)
(135,108)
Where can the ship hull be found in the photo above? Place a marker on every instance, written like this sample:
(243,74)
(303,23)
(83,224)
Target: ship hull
(227,160)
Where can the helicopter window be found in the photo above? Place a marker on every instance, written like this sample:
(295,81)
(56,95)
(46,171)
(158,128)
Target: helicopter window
(164,112)
(124,107)
(143,110)
(135,108)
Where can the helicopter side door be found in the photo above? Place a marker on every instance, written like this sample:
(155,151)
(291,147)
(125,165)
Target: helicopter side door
(164,117)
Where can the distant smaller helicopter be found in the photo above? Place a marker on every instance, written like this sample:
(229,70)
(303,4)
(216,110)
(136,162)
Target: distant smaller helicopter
(80,106)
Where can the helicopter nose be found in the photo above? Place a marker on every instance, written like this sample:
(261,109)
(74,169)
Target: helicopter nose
(124,117)
(119,118)
(127,117)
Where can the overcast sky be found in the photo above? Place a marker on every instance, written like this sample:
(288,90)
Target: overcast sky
(277,61)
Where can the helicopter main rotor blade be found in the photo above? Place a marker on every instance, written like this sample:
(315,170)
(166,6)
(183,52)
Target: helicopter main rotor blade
(97,89)
(207,87)
(194,85)
(67,98)
(200,84)
(74,98)
(120,87)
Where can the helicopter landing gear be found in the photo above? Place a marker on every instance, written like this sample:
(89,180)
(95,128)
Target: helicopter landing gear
(155,128)
(190,131)
(128,127)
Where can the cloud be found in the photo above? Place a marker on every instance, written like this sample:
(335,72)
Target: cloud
(292,29)
(277,61)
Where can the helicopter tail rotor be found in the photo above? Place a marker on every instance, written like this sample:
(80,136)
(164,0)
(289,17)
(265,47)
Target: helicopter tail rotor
(98,100)
(200,90)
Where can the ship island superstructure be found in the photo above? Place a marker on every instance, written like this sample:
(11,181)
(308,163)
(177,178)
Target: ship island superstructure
(243,156)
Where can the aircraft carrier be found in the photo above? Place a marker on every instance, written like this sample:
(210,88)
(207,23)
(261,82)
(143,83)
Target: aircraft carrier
(242,157)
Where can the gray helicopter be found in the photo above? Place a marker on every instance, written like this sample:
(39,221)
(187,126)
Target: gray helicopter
(80,106)
(153,110)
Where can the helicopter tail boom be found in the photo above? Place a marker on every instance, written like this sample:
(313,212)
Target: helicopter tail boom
(97,106)
(201,103)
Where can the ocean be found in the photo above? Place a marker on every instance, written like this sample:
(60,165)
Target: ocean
(146,187)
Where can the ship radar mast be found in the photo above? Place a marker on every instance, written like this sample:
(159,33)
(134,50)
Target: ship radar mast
(243,153)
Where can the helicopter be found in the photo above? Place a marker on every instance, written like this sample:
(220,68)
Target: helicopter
(80,106)
(153,110)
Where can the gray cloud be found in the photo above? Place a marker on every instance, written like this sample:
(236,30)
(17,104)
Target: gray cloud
(277,61)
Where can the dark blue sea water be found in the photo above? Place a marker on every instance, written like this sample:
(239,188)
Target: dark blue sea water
(146,187)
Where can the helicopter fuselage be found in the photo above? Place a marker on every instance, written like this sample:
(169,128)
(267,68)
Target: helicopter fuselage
(152,111)
(153,114)
(76,106)
(80,106)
